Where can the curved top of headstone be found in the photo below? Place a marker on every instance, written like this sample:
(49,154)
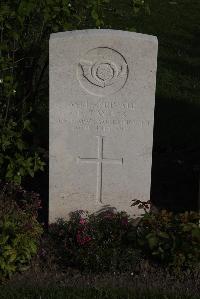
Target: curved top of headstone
(127,34)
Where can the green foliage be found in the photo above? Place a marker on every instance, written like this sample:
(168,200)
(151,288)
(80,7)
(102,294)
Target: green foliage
(95,242)
(16,161)
(171,239)
(19,229)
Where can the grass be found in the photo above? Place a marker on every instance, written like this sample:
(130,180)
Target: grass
(143,279)
(86,293)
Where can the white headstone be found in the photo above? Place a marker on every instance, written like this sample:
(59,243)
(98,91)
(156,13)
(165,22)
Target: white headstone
(102,96)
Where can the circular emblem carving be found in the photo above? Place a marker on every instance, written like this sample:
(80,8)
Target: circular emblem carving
(102,71)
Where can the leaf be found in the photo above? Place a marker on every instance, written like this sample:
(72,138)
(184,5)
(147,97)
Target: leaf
(196,233)
(3,239)
(16,35)
(135,202)
(8,26)
(94,15)
(163,235)
(20,144)
(13,256)
(24,268)
(31,172)
(33,247)
(27,125)
(160,249)
(22,171)
(132,29)
(152,240)
(140,206)
(25,8)
(9,173)
(55,28)
(156,253)
(186,227)
(17,179)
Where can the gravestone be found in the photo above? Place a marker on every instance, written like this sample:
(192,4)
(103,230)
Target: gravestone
(102,96)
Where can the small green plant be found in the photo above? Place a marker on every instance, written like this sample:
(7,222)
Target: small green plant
(171,239)
(19,229)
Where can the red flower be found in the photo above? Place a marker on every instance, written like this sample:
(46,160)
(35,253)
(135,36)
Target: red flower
(82,221)
(81,239)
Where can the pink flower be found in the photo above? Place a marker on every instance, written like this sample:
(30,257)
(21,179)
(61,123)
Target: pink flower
(81,240)
(82,221)
(87,239)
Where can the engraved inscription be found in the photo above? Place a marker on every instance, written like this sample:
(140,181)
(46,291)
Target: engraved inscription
(102,116)
(102,71)
(108,125)
(100,160)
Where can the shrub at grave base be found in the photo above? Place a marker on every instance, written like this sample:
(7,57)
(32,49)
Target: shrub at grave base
(110,242)
(95,243)
(171,239)
(19,229)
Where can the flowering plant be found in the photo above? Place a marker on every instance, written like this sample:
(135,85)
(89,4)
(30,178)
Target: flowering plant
(82,238)
(97,242)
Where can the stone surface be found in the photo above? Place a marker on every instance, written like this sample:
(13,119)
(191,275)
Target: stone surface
(102,96)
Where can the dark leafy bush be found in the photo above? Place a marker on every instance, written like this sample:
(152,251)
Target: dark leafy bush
(17,160)
(95,242)
(114,242)
(171,239)
(19,229)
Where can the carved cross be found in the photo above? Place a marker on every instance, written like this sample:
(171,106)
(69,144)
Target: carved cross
(100,160)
